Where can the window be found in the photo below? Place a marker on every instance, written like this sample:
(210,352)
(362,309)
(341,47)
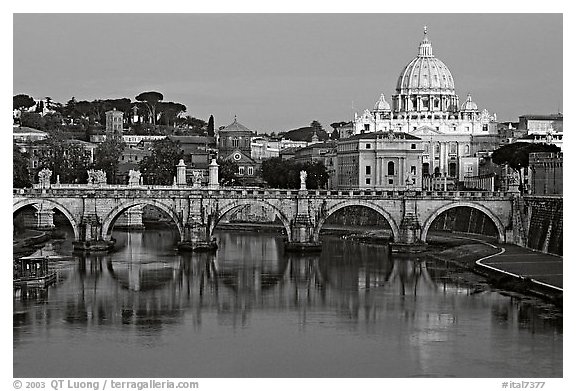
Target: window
(467,149)
(368,146)
(368,170)
(390,168)
(366,127)
(235,143)
(413,146)
(452,148)
(367,181)
(390,181)
(426,169)
(250,170)
(452,170)
(485,127)
(241,170)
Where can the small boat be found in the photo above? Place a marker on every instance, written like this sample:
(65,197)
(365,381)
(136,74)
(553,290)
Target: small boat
(33,272)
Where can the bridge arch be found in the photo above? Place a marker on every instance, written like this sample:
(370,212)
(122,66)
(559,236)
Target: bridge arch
(50,205)
(474,205)
(234,205)
(368,204)
(112,216)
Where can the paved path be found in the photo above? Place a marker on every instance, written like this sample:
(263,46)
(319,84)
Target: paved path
(519,261)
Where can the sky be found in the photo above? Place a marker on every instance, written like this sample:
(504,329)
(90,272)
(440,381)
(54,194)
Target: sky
(277,72)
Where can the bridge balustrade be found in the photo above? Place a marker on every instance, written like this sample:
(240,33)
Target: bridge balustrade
(157,191)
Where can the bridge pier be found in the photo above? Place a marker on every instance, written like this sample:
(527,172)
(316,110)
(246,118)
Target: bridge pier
(410,230)
(196,238)
(91,237)
(196,230)
(302,229)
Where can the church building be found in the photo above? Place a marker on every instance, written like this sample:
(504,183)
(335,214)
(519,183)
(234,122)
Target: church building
(426,106)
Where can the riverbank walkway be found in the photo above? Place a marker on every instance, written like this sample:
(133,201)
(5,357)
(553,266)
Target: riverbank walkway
(509,259)
(523,262)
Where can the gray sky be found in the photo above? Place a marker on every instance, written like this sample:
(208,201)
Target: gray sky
(281,71)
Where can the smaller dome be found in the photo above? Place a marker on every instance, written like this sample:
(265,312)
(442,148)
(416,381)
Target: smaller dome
(469,105)
(382,105)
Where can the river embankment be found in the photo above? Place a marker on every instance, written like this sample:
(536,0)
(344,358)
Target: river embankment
(26,242)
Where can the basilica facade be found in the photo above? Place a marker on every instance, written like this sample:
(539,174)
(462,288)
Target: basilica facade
(426,106)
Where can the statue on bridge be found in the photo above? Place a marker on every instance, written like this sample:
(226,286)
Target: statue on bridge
(96,177)
(134,178)
(197,176)
(303,176)
(44,178)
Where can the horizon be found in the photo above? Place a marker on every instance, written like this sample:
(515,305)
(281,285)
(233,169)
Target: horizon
(278,72)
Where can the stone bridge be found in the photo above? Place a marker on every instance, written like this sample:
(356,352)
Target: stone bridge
(92,210)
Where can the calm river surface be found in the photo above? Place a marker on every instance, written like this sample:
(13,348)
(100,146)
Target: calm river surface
(252,311)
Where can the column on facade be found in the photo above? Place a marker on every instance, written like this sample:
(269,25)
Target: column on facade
(444,150)
(401,172)
(440,155)
(376,172)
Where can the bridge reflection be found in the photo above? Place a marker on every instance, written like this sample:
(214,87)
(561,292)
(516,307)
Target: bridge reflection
(152,290)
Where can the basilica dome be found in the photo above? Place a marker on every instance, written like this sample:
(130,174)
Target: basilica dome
(425,85)
(425,72)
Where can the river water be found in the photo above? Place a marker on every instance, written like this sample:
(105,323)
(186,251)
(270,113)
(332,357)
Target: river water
(251,310)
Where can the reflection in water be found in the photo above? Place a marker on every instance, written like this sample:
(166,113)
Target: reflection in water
(352,310)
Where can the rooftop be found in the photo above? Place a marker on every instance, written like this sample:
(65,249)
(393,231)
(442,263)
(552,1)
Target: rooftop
(558,116)
(235,126)
(26,129)
(388,135)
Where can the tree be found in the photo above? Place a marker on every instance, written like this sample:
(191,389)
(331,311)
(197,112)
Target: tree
(316,126)
(160,167)
(52,122)
(335,135)
(150,100)
(285,174)
(22,102)
(228,173)
(20,172)
(83,109)
(276,172)
(49,103)
(32,120)
(317,177)
(194,125)
(69,109)
(107,157)
(516,155)
(64,159)
(169,112)
(211,126)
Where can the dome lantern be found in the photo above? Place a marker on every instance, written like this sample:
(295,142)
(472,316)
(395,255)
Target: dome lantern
(425,49)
